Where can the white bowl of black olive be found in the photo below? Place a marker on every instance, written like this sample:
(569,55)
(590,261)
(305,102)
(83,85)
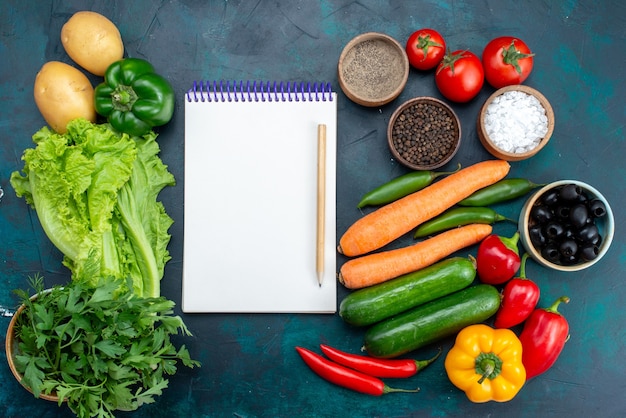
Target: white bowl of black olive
(566,225)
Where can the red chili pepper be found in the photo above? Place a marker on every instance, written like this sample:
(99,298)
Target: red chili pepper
(544,335)
(519,299)
(345,377)
(497,259)
(393,368)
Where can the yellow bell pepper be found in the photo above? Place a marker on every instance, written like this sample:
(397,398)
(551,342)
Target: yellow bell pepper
(486,364)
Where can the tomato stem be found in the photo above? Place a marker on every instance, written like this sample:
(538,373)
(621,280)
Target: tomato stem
(512,55)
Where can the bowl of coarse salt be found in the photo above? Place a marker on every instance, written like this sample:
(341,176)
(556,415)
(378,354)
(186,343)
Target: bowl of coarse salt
(515,123)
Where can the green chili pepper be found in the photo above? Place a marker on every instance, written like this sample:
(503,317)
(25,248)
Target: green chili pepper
(133,97)
(500,191)
(401,186)
(458,217)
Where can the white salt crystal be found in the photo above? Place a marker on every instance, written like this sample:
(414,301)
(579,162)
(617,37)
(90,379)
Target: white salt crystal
(516,122)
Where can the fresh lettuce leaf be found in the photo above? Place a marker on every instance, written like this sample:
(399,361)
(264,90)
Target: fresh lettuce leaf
(95,193)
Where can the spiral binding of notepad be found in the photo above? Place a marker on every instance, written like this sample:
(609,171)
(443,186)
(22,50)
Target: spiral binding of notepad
(253,91)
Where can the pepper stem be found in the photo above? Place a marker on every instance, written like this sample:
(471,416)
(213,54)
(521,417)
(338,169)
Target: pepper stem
(554,307)
(434,175)
(123,98)
(522,269)
(511,243)
(423,363)
(498,217)
(488,366)
(387,389)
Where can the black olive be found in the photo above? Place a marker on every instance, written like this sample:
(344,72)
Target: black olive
(554,230)
(562,212)
(570,192)
(579,215)
(569,260)
(568,248)
(589,252)
(550,198)
(569,231)
(597,208)
(589,234)
(537,236)
(541,214)
(550,253)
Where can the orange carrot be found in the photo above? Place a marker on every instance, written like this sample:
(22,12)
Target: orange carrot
(378,228)
(376,268)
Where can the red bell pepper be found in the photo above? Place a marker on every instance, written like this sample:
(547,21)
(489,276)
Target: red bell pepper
(544,335)
(497,259)
(519,299)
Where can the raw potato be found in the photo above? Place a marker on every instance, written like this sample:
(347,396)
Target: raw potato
(92,41)
(63,93)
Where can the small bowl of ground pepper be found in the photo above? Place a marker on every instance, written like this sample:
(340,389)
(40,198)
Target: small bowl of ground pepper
(373,69)
(424,133)
(515,123)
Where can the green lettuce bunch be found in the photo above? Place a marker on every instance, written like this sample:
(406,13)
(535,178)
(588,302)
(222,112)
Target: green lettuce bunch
(95,193)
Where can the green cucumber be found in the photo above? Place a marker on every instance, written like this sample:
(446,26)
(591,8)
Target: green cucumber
(373,304)
(432,321)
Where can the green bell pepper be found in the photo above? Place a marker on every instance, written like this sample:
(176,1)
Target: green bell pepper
(133,97)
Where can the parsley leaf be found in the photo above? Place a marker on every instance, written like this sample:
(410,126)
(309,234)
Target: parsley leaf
(97,347)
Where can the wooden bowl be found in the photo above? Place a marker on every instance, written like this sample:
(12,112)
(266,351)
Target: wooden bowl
(510,155)
(11,349)
(427,145)
(373,69)
(605,225)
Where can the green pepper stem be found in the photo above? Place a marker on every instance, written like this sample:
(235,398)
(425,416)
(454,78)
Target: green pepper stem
(387,389)
(423,363)
(511,243)
(123,98)
(444,173)
(498,217)
(488,367)
(554,307)
(522,269)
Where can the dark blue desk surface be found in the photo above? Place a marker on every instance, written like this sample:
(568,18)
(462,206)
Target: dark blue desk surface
(250,367)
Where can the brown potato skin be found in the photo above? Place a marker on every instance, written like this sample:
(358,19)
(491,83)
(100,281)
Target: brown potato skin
(63,93)
(92,41)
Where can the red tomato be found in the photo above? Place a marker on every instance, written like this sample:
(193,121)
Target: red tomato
(507,61)
(460,76)
(425,49)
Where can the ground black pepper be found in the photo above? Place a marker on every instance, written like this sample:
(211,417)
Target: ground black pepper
(425,133)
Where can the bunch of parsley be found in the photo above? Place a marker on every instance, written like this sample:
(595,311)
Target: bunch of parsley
(98,348)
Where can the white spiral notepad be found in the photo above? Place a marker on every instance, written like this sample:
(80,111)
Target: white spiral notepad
(250,198)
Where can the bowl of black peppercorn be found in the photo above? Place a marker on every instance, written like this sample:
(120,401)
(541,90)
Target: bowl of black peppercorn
(566,225)
(424,133)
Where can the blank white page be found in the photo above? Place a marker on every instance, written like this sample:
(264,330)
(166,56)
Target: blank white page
(251,202)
